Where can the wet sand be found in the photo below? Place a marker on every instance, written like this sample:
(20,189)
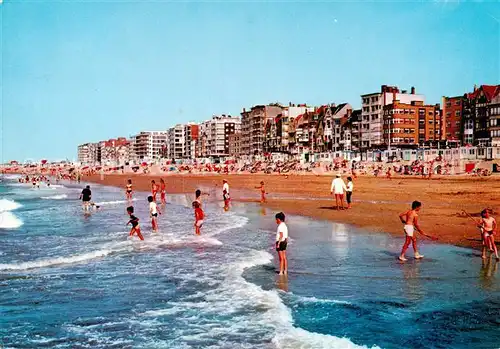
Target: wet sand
(377,202)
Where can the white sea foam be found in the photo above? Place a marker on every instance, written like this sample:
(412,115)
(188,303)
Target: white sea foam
(116,202)
(79,258)
(9,221)
(8,205)
(55,197)
(265,312)
(302,299)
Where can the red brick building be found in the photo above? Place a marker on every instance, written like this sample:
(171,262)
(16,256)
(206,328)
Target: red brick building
(452,118)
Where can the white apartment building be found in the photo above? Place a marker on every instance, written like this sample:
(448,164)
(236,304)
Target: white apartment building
(89,154)
(176,142)
(373,109)
(214,135)
(148,145)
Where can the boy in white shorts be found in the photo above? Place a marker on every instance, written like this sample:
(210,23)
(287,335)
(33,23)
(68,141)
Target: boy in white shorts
(282,242)
(410,221)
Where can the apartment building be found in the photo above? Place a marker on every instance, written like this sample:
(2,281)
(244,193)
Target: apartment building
(191,134)
(176,142)
(89,153)
(452,118)
(214,135)
(494,118)
(479,110)
(372,112)
(148,145)
(253,123)
(115,152)
(235,145)
(411,124)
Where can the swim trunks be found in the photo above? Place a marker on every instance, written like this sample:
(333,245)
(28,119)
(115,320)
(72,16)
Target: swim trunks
(409,229)
(281,245)
(199,223)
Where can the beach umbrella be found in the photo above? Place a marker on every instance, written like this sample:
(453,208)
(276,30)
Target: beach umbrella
(144,164)
(43,162)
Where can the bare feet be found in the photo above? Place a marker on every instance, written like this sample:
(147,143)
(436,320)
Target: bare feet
(419,256)
(402,259)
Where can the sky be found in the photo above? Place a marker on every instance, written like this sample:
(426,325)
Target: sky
(77,72)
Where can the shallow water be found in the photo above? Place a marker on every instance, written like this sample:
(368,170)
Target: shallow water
(69,280)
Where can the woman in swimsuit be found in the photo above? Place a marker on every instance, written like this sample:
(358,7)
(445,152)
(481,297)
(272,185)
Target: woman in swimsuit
(162,192)
(128,190)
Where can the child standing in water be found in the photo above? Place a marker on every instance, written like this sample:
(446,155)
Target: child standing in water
(128,189)
(153,213)
(199,215)
(135,223)
(488,227)
(262,192)
(225,194)
(154,190)
(162,192)
(282,242)
(410,221)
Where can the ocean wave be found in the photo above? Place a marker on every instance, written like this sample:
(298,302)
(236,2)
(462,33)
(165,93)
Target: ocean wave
(54,197)
(9,221)
(8,205)
(116,202)
(79,258)
(265,313)
(302,299)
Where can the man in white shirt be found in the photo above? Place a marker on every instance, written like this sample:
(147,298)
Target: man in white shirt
(338,188)
(281,242)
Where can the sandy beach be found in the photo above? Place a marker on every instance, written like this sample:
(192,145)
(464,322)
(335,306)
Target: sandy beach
(376,201)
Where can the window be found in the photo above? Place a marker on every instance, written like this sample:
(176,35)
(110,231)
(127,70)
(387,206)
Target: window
(457,113)
(448,104)
(457,102)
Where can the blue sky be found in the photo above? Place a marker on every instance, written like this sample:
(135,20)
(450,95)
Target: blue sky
(74,72)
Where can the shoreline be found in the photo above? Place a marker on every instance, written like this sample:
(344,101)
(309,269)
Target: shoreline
(377,201)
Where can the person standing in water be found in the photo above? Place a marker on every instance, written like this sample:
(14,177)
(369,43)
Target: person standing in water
(225,194)
(488,226)
(154,190)
(153,213)
(128,189)
(135,223)
(282,242)
(163,192)
(262,192)
(199,216)
(410,221)
(86,196)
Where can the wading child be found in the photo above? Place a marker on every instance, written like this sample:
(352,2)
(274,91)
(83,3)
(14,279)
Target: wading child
(153,213)
(225,194)
(199,215)
(488,227)
(163,192)
(348,192)
(410,221)
(135,223)
(128,190)
(281,242)
(154,190)
(262,192)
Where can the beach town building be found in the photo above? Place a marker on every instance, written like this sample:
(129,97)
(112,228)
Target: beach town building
(373,109)
(214,135)
(84,154)
(115,152)
(149,145)
(351,132)
(235,145)
(191,134)
(411,124)
(494,118)
(89,153)
(176,142)
(452,118)
(253,123)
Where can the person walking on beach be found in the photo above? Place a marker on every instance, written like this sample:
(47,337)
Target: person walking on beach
(262,192)
(282,242)
(154,189)
(338,188)
(225,194)
(410,221)
(199,215)
(350,187)
(488,226)
(128,190)
(86,196)
(153,213)
(135,223)
(163,192)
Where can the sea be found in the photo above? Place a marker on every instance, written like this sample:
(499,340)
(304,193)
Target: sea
(75,280)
